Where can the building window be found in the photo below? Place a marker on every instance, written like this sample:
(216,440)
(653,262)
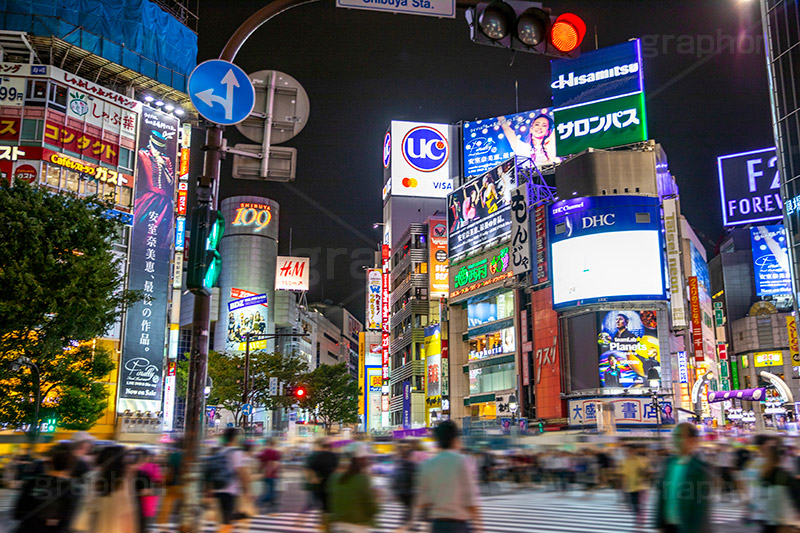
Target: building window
(71,181)
(53,173)
(31,130)
(125,196)
(58,96)
(491,378)
(184,344)
(91,187)
(125,158)
(37,92)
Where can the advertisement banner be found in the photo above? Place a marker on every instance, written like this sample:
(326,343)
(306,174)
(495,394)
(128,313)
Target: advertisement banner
(488,142)
(588,235)
(601,124)
(771,260)
(83,143)
(291,273)
(768,358)
(674,271)
(520,231)
(598,74)
(406,404)
(373,386)
(477,274)
(445,372)
(169,396)
(438,259)
(142,364)
(631,411)
(433,361)
(629,351)
(374,284)
(749,186)
(540,227)
(245,316)
(385,332)
(794,347)
(546,356)
(683,368)
(697,318)
(480,211)
(422,163)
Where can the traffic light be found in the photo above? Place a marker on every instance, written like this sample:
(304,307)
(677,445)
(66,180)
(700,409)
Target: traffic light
(205,262)
(288,390)
(541,427)
(527,27)
(299,392)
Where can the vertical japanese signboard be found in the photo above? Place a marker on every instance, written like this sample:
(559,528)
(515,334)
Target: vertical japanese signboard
(142,364)
(540,225)
(697,319)
(520,231)
(438,273)
(374,296)
(677,298)
(385,255)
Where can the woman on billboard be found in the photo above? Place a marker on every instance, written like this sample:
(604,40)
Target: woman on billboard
(540,142)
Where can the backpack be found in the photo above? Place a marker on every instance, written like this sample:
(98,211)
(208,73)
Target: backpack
(218,472)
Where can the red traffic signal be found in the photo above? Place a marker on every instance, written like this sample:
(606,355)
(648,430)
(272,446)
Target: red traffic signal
(300,392)
(567,32)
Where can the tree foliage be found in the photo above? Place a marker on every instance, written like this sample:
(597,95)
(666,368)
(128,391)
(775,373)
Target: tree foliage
(227,375)
(332,395)
(60,287)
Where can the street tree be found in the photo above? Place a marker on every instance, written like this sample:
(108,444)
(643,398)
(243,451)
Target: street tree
(226,371)
(332,395)
(60,288)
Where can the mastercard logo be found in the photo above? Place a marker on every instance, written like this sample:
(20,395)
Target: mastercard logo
(409,183)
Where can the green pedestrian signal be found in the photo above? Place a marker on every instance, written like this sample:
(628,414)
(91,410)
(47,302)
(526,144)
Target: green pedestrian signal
(541,427)
(206,228)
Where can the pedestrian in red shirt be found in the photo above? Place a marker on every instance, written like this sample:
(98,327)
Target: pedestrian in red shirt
(270,470)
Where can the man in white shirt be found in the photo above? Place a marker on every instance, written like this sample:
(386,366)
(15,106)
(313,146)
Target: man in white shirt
(448,488)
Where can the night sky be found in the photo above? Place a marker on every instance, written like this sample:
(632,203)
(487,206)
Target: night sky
(705,81)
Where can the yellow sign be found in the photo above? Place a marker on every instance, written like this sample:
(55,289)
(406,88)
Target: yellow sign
(791,327)
(768,358)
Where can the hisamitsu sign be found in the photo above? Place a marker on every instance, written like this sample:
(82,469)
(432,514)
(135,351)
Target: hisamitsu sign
(431,8)
(258,299)
(749,186)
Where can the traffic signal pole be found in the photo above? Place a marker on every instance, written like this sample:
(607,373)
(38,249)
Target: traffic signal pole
(208,196)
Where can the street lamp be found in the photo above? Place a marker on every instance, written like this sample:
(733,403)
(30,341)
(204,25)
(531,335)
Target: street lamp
(16,366)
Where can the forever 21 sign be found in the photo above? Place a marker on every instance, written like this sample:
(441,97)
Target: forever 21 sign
(749,185)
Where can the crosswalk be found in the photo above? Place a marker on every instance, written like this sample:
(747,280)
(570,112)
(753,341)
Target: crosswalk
(531,510)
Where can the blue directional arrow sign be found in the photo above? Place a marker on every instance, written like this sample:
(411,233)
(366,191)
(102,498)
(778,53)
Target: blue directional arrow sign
(221,92)
(247,409)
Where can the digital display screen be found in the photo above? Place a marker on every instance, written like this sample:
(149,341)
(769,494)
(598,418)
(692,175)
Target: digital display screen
(770,260)
(605,249)
(629,353)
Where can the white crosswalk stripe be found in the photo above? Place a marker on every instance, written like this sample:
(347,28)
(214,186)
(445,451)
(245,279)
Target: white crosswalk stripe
(530,510)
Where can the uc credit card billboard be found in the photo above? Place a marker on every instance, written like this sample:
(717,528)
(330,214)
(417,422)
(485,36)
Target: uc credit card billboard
(606,248)
(420,159)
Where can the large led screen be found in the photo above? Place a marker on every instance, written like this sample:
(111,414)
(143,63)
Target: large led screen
(480,211)
(606,249)
(629,353)
(770,260)
(490,141)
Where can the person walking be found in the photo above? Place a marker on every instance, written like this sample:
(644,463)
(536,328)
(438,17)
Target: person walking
(269,458)
(448,490)
(634,475)
(82,443)
(173,483)
(227,477)
(403,481)
(773,493)
(684,490)
(353,507)
(321,464)
(48,502)
(147,480)
(109,506)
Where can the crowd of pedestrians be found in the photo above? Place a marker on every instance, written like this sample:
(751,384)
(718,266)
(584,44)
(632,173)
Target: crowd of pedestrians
(79,487)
